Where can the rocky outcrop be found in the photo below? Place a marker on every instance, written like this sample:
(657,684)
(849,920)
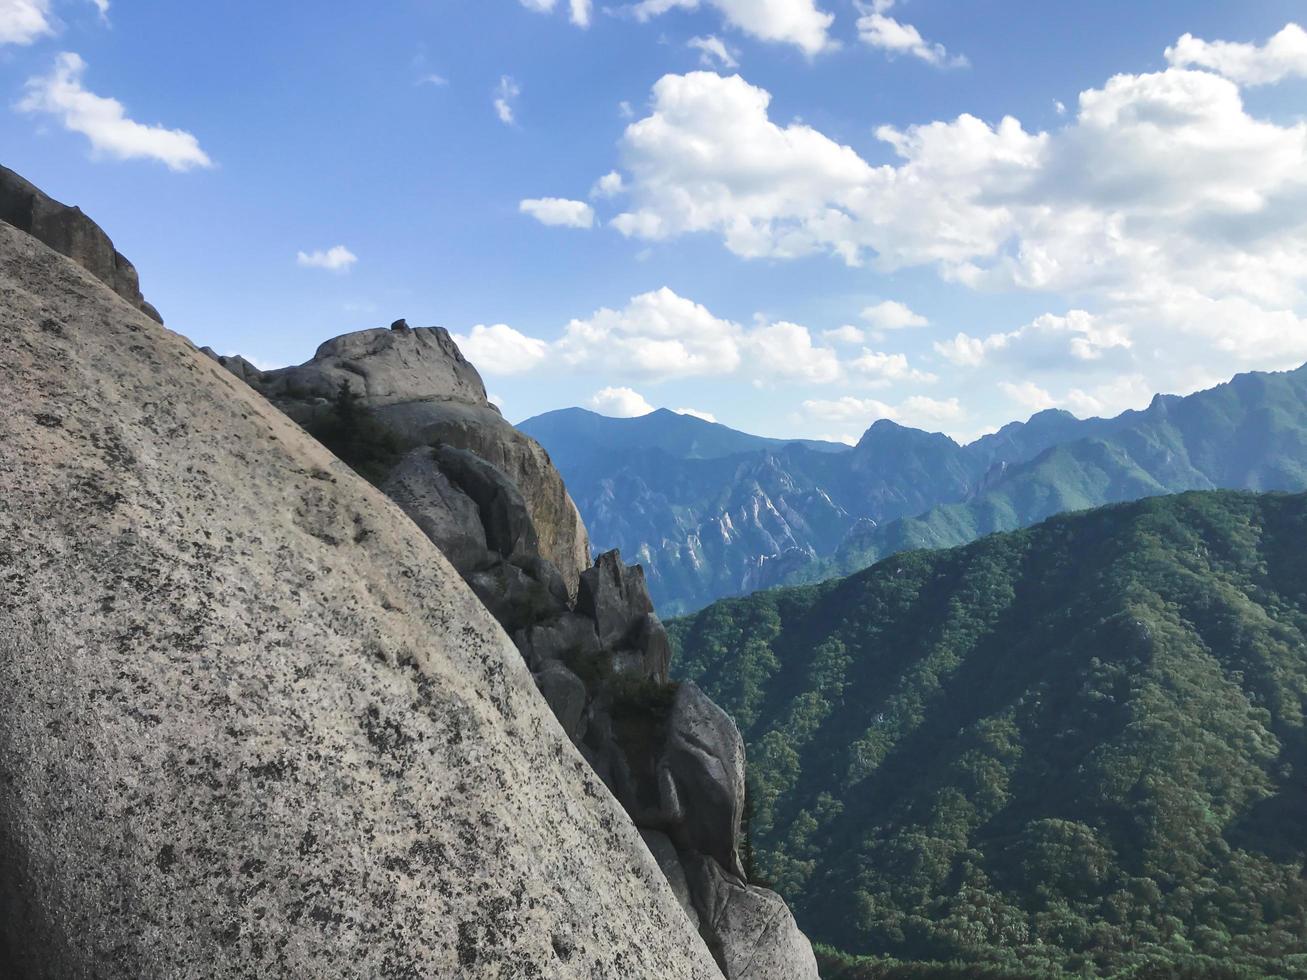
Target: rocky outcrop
(69,232)
(415,381)
(252,722)
(749,930)
(673,758)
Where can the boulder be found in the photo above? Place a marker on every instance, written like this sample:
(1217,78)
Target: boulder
(504,517)
(69,232)
(565,693)
(236,364)
(749,930)
(567,637)
(446,515)
(615,596)
(417,383)
(701,778)
(252,722)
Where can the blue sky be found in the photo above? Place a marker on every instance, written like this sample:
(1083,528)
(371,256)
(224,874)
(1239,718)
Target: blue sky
(824,222)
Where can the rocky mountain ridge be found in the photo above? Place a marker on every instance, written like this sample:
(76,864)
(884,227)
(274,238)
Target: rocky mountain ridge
(754,516)
(254,720)
(596,648)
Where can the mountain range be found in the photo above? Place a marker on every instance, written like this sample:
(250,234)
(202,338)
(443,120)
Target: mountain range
(710,512)
(1075,749)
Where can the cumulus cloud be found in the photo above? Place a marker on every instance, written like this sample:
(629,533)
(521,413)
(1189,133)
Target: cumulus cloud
(880,369)
(506,94)
(917,411)
(1028,395)
(579,11)
(104,121)
(879,30)
(335,259)
(559,212)
(1175,215)
(621,403)
(1283,56)
(798,22)
(609,185)
(893,315)
(539,6)
(501,350)
(713,52)
(658,335)
(695,413)
(23,21)
(103,7)
(847,334)
(786,351)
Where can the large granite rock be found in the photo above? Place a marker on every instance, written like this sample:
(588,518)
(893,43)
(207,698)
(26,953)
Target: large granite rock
(416,382)
(701,777)
(69,232)
(252,723)
(614,595)
(445,514)
(750,930)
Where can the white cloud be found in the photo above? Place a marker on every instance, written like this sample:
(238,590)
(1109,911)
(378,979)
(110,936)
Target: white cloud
(506,93)
(1174,215)
(501,350)
(609,185)
(1028,395)
(878,369)
(1049,341)
(559,212)
(785,351)
(431,78)
(104,121)
(877,29)
(103,7)
(539,6)
(625,110)
(695,413)
(580,12)
(847,334)
(335,259)
(1283,56)
(622,403)
(713,52)
(893,315)
(658,335)
(23,21)
(917,411)
(797,22)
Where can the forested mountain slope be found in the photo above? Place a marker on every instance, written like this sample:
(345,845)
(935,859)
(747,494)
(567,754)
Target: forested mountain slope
(1079,746)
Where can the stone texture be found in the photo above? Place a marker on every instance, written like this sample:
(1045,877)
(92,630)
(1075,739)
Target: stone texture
(419,385)
(749,930)
(69,232)
(565,693)
(505,520)
(445,514)
(252,723)
(613,594)
(702,764)
(664,852)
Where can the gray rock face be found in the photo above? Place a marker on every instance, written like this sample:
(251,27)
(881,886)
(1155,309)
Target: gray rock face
(445,514)
(566,695)
(615,597)
(664,852)
(70,233)
(749,930)
(420,386)
(702,763)
(503,513)
(252,723)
